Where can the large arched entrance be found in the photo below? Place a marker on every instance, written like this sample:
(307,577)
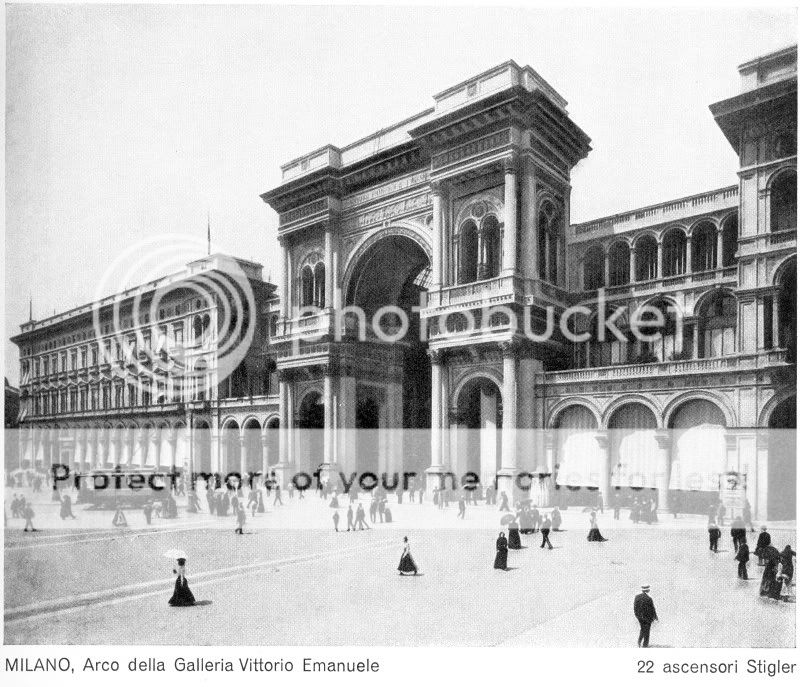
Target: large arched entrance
(231,448)
(479,409)
(310,440)
(578,458)
(202,447)
(782,461)
(252,445)
(634,450)
(698,454)
(393,272)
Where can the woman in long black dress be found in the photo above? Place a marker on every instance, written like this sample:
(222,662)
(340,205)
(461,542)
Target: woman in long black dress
(501,558)
(514,541)
(770,584)
(594,530)
(407,564)
(182,596)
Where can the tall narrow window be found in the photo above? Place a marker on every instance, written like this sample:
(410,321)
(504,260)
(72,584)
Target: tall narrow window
(674,250)
(783,202)
(490,248)
(619,258)
(319,285)
(468,252)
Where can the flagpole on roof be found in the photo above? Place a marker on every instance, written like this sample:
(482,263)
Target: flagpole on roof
(208,233)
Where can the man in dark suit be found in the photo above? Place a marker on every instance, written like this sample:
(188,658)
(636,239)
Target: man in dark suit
(645,611)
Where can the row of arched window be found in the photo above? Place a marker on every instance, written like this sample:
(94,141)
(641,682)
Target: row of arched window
(705,244)
(312,285)
(711,336)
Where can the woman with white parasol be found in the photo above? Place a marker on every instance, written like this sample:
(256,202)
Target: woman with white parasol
(182,596)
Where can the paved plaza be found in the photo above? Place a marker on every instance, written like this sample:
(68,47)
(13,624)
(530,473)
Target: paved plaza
(292,580)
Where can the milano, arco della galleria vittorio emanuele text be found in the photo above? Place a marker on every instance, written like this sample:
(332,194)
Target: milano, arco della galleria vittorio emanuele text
(437,313)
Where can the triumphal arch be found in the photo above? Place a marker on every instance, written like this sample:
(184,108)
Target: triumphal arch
(460,208)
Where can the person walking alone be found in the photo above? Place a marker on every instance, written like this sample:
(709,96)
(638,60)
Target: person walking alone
(546,533)
(645,611)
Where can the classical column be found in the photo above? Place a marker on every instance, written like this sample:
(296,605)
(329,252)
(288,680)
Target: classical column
(776,328)
(172,443)
(660,259)
(757,476)
(335,277)
(549,466)
(548,237)
(510,208)
(242,454)
(329,431)
(605,465)
(606,267)
(632,266)
(285,430)
(90,455)
(328,266)
(529,220)
(508,452)
(720,236)
(286,280)
(688,269)
(695,340)
(264,453)
(283,422)
(437,238)
(435,469)
(663,465)
(78,455)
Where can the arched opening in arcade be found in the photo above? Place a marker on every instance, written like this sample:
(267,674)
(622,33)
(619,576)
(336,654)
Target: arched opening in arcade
(394,271)
(309,438)
(577,457)
(704,247)
(619,264)
(593,268)
(646,258)
(716,325)
(202,447)
(252,445)
(783,201)
(479,421)
(730,240)
(661,337)
(634,453)
(231,448)
(782,461)
(674,252)
(272,433)
(698,455)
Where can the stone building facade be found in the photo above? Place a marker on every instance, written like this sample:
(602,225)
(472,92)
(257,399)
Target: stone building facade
(421,267)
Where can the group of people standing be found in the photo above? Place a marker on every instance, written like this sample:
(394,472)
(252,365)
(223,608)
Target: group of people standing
(778,565)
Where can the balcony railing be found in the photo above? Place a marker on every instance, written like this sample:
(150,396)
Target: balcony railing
(483,290)
(741,361)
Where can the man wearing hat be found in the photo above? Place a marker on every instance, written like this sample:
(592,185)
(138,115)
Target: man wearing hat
(645,611)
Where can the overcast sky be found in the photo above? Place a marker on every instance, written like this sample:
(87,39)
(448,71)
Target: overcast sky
(126,123)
